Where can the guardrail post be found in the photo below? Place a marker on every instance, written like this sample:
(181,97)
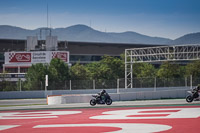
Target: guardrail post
(117,86)
(65,85)
(185,81)
(94,84)
(190,81)
(20,84)
(70,85)
(155,82)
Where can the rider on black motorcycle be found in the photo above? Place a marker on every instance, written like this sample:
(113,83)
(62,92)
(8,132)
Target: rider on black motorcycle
(101,98)
(102,95)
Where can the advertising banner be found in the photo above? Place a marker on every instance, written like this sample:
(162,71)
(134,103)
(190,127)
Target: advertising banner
(35,57)
(19,57)
(40,57)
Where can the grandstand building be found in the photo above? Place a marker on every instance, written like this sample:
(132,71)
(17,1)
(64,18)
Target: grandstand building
(84,52)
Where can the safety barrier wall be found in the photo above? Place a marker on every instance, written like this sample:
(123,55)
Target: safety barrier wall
(137,92)
(44,94)
(125,96)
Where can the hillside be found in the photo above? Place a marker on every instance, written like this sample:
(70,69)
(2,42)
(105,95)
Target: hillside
(83,33)
(193,38)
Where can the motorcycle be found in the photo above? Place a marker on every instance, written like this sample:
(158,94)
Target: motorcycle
(193,95)
(98,100)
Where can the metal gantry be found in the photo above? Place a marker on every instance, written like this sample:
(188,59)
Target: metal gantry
(158,54)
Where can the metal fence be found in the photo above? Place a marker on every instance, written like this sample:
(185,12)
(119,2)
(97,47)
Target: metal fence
(101,84)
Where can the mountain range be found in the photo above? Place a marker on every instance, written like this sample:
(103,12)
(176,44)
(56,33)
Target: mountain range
(84,33)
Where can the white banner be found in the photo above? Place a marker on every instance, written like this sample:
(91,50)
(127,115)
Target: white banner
(35,57)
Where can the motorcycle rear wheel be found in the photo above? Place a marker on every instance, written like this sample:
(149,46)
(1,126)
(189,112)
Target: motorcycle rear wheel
(189,99)
(93,102)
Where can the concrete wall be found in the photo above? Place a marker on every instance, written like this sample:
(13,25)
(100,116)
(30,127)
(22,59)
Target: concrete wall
(128,94)
(43,94)
(125,96)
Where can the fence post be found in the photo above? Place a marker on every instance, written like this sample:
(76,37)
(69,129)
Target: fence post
(155,82)
(190,81)
(185,81)
(70,85)
(117,86)
(65,85)
(41,87)
(94,84)
(20,84)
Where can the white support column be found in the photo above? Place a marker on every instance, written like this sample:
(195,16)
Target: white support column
(131,71)
(18,69)
(190,81)
(125,69)
(117,86)
(155,82)
(70,85)
(46,82)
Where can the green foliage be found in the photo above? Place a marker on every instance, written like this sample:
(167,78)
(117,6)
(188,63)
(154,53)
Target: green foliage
(169,70)
(7,86)
(114,66)
(35,76)
(193,69)
(108,68)
(94,70)
(58,70)
(147,70)
(141,70)
(79,72)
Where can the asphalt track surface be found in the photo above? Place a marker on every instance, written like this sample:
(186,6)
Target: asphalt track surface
(42,104)
(148,116)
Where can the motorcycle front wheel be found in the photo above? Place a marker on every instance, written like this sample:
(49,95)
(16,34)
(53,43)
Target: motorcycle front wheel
(92,102)
(189,99)
(109,101)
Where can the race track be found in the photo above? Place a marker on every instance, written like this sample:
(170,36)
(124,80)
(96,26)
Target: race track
(121,117)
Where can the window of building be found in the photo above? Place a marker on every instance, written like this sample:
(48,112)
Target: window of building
(11,69)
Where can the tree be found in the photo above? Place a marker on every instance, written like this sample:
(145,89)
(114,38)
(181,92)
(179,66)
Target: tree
(108,68)
(169,70)
(6,85)
(143,70)
(35,76)
(94,70)
(193,69)
(114,65)
(79,72)
(58,70)
(147,70)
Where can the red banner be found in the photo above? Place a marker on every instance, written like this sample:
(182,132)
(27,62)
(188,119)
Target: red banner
(19,57)
(61,55)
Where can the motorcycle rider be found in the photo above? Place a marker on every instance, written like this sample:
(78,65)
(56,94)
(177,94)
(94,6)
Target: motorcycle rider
(102,96)
(198,87)
(196,90)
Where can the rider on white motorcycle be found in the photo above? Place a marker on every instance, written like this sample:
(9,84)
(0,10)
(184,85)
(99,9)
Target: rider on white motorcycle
(193,94)
(196,90)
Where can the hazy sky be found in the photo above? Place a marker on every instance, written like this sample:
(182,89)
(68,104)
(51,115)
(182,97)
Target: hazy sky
(162,18)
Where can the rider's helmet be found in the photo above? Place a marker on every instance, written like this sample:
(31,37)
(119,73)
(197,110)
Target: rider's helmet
(103,91)
(198,86)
